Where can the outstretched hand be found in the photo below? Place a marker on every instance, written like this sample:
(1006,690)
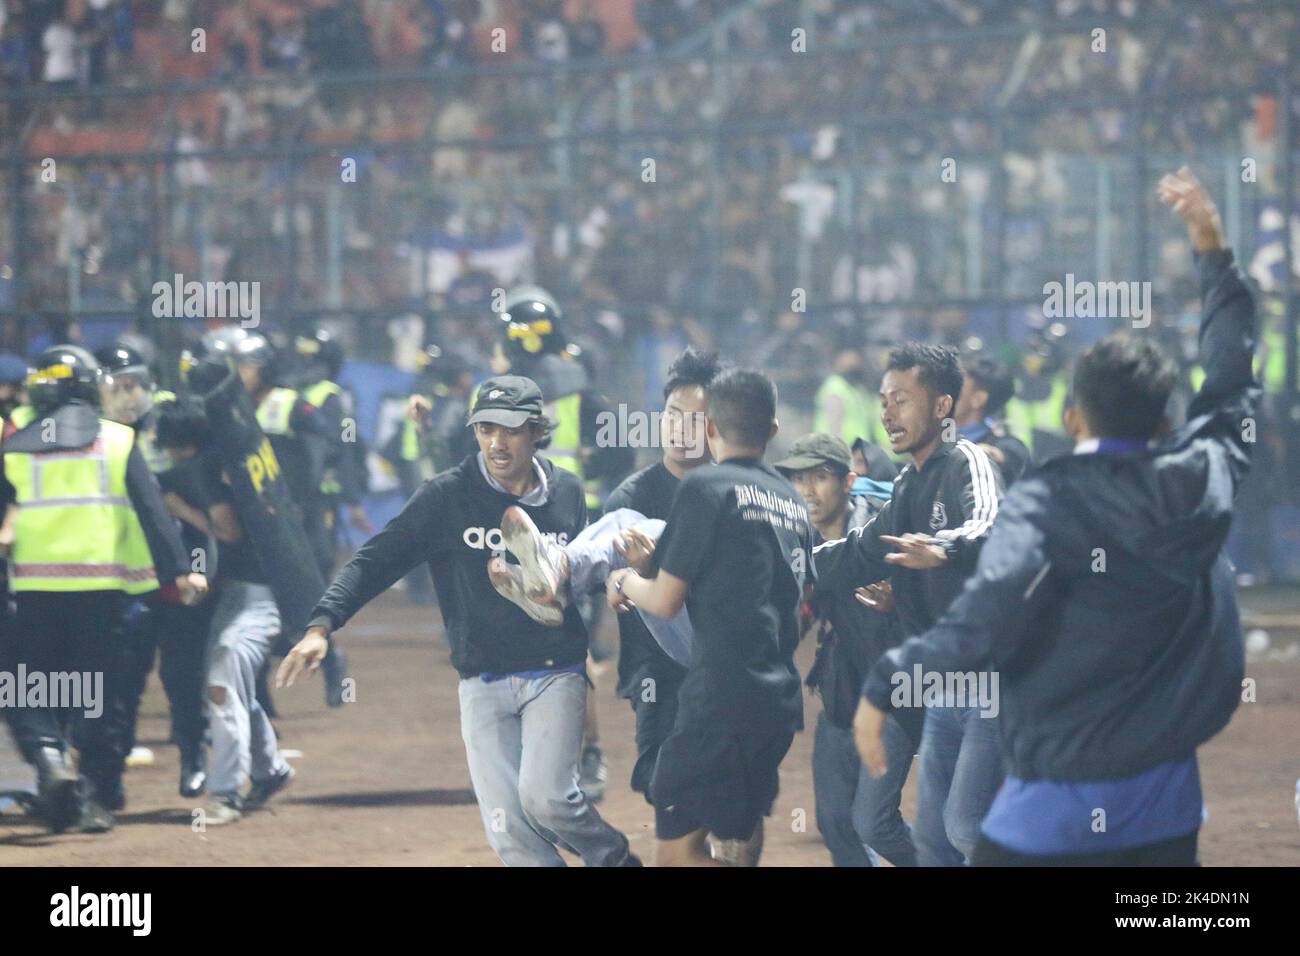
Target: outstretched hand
(304,658)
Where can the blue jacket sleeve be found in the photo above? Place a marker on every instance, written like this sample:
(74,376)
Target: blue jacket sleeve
(1230,393)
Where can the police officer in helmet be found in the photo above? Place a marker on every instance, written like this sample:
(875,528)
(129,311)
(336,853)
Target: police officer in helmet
(90,530)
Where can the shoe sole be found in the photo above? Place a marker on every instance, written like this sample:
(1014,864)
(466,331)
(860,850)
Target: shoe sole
(508,586)
(526,543)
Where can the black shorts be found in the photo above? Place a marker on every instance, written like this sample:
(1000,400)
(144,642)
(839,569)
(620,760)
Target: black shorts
(716,780)
(654,724)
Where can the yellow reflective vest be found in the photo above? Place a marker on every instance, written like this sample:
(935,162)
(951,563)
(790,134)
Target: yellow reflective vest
(316,396)
(565,450)
(275,411)
(1046,414)
(76,529)
(860,413)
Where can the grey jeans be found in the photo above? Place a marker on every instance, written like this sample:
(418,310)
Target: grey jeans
(522,738)
(244,624)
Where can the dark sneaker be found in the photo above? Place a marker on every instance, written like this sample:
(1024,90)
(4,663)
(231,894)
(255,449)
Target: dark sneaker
(194,777)
(59,792)
(592,773)
(263,790)
(94,818)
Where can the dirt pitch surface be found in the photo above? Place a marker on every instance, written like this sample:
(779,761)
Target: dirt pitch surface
(382,781)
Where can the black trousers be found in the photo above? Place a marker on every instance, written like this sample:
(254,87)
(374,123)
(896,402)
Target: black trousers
(1180,851)
(74,632)
(177,636)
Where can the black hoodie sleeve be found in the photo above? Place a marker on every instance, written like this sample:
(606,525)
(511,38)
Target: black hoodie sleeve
(990,619)
(378,563)
(857,559)
(973,483)
(1230,393)
(159,527)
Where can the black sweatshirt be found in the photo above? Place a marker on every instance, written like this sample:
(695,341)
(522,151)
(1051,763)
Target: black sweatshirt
(453,524)
(953,498)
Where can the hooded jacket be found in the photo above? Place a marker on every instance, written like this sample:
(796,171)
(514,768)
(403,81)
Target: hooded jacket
(1102,595)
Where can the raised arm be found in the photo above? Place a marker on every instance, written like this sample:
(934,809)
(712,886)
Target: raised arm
(1230,394)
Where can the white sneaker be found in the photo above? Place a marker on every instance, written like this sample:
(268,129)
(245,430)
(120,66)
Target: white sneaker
(508,580)
(541,582)
(221,811)
(140,757)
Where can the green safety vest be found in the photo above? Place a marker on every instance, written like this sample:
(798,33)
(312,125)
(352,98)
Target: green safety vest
(321,392)
(76,529)
(1274,374)
(566,443)
(275,411)
(317,395)
(1045,414)
(156,458)
(410,440)
(22,416)
(861,416)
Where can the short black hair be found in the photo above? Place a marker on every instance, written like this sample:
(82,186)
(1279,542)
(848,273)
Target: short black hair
(1122,385)
(742,404)
(183,423)
(993,377)
(692,367)
(940,370)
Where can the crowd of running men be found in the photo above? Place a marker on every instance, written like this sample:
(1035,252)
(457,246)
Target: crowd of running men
(1049,639)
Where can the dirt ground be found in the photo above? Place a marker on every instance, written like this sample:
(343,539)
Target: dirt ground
(382,781)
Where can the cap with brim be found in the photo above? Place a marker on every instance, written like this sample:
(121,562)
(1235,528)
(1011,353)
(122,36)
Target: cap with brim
(500,416)
(815,450)
(507,400)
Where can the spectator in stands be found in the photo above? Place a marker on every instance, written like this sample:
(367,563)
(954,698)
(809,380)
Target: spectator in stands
(59,41)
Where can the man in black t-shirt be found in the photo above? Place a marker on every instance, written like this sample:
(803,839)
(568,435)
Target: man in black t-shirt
(737,552)
(647,677)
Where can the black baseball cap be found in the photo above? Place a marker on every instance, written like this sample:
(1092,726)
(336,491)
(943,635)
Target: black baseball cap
(508,400)
(819,448)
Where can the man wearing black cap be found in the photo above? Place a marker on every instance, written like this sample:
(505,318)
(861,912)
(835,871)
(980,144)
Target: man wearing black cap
(523,689)
(854,810)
